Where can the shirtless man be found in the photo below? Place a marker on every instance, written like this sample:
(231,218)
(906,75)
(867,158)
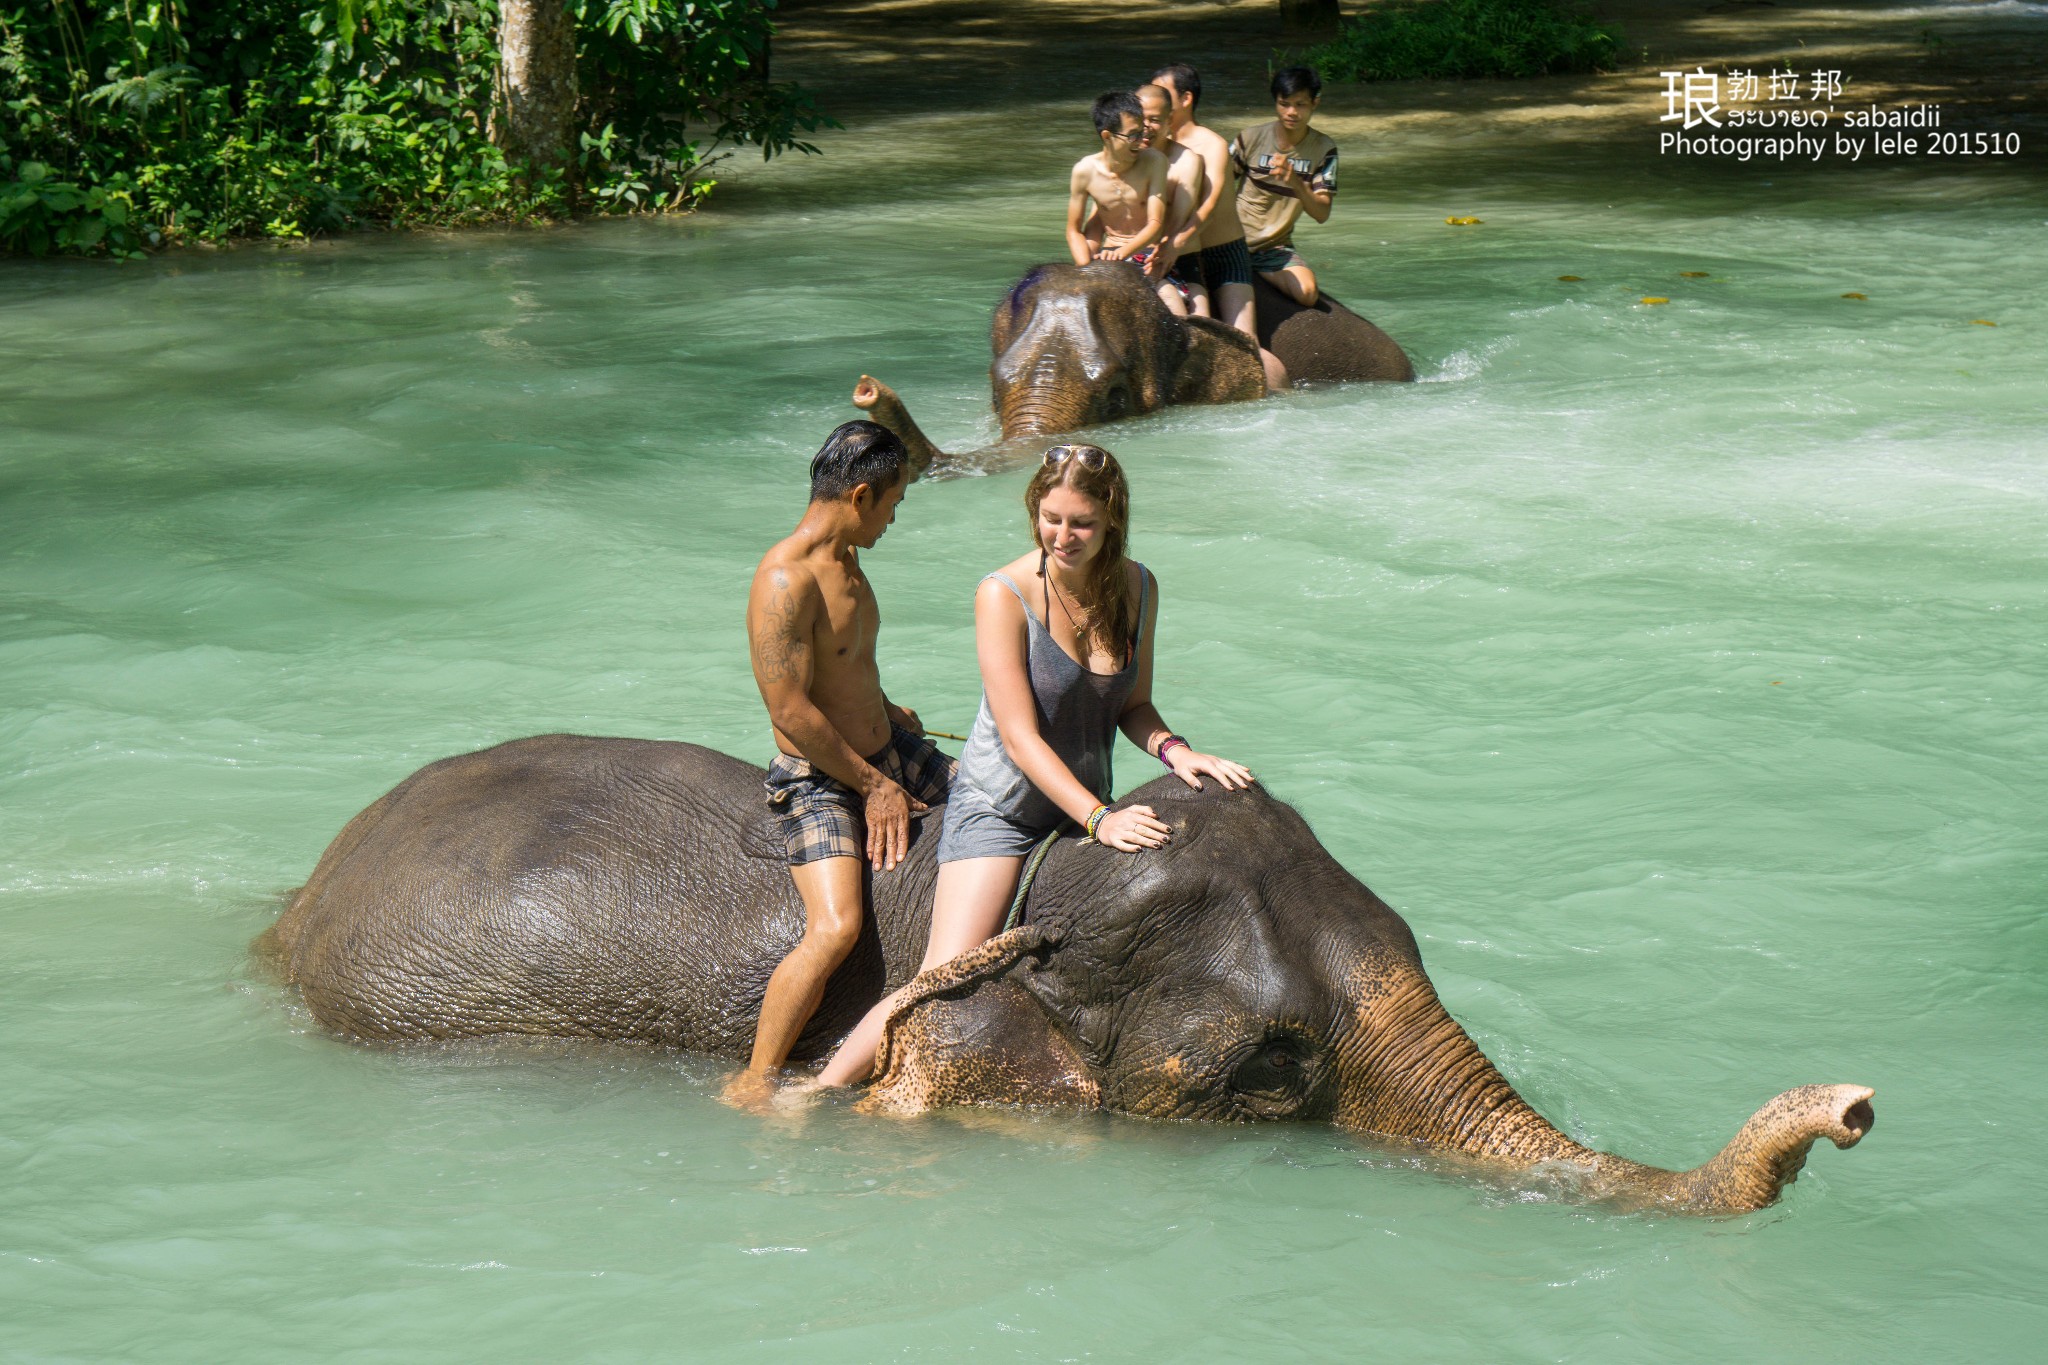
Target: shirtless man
(1184,186)
(854,765)
(1224,265)
(1127,182)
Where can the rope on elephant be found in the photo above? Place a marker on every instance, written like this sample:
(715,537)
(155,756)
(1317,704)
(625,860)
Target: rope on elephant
(1031,866)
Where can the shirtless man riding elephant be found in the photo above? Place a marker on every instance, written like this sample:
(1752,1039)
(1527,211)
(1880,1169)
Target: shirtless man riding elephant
(852,765)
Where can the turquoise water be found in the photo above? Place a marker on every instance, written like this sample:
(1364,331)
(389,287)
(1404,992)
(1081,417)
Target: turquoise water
(1676,670)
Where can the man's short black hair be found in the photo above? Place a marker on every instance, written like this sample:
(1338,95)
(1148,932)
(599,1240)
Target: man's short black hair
(1110,108)
(1296,79)
(857,453)
(1184,79)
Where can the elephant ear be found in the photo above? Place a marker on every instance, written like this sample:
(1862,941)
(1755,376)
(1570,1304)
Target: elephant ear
(1222,365)
(1009,315)
(964,1033)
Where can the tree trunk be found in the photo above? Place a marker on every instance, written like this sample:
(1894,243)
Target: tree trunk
(534,121)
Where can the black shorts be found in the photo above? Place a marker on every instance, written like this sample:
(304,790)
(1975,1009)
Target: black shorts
(1230,263)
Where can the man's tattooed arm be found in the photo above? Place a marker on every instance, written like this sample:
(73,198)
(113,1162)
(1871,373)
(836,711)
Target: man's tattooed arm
(781,634)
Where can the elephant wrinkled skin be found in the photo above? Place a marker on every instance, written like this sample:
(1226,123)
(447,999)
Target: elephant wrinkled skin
(1079,345)
(635,890)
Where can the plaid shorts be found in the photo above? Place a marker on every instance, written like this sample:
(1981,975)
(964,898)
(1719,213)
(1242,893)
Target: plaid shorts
(1271,260)
(822,817)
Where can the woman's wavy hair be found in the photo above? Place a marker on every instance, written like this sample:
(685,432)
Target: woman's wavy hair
(1106,595)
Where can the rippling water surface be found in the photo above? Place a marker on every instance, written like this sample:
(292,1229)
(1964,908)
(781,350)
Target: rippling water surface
(1677,671)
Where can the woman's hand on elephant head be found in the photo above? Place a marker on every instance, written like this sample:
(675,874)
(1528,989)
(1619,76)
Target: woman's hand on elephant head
(1191,767)
(1133,828)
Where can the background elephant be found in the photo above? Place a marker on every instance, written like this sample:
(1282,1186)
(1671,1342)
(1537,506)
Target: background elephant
(634,889)
(1077,346)
(1327,343)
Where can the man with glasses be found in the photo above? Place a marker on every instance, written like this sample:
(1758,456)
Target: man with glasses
(1127,182)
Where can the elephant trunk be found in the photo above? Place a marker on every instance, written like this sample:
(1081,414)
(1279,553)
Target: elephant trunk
(1039,411)
(884,408)
(1410,1072)
(1035,396)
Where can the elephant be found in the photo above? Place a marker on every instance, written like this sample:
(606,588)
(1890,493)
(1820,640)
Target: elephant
(635,890)
(1077,346)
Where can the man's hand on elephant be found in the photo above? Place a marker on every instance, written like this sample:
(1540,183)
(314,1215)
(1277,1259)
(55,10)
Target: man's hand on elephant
(1133,828)
(888,820)
(1190,767)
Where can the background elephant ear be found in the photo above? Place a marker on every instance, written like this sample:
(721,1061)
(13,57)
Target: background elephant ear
(1221,366)
(1008,318)
(964,1033)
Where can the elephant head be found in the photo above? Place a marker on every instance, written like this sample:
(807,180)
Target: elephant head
(1076,346)
(1242,974)
(1079,345)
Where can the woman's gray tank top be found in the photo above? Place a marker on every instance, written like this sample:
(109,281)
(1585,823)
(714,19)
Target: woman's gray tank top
(1077,716)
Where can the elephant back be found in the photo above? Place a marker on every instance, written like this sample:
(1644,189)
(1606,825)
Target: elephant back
(569,886)
(1327,343)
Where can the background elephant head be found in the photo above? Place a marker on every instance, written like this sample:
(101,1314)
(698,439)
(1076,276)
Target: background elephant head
(1243,974)
(1076,346)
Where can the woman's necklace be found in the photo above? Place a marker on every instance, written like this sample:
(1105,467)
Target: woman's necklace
(1080,634)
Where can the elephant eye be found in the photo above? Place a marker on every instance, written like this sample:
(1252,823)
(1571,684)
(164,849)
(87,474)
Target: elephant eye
(1274,1077)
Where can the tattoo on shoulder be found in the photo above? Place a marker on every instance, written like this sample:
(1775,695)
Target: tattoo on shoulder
(780,644)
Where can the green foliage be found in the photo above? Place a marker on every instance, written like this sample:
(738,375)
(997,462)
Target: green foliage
(126,125)
(42,215)
(633,55)
(1403,40)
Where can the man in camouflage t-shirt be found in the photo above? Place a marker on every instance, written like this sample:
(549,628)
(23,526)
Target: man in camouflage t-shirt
(1285,167)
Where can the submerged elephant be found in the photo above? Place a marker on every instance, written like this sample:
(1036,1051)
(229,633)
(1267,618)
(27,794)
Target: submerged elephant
(634,890)
(1076,346)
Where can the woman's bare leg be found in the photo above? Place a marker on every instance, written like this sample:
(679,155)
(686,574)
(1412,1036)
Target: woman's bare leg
(968,906)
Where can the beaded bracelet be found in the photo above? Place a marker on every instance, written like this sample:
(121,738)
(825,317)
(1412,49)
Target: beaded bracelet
(1095,818)
(1168,743)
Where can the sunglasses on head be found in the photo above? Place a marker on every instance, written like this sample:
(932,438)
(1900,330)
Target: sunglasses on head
(1089,457)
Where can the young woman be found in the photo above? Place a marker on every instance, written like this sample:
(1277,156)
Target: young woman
(1064,636)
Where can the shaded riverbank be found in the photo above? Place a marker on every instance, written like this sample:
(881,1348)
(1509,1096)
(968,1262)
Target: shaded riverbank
(868,62)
